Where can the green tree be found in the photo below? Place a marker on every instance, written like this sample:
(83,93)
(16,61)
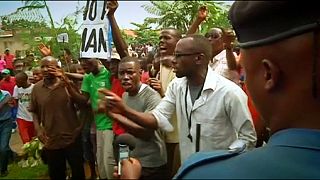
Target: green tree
(129,39)
(145,34)
(180,14)
(35,29)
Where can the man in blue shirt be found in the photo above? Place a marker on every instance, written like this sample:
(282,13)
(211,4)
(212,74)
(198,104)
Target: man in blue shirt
(5,131)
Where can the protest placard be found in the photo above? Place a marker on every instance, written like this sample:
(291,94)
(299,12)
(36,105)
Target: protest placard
(95,34)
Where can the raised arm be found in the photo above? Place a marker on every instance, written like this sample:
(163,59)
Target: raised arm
(77,97)
(228,39)
(121,46)
(45,50)
(74,76)
(202,14)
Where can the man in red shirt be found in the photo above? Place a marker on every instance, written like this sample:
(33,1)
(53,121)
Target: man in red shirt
(9,58)
(8,82)
(116,87)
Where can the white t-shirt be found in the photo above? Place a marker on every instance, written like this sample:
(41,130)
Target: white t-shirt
(24,97)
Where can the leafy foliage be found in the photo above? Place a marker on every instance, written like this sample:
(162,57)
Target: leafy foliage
(144,34)
(129,39)
(34,29)
(180,14)
(32,149)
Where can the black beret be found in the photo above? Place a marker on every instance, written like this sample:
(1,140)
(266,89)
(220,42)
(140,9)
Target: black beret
(258,23)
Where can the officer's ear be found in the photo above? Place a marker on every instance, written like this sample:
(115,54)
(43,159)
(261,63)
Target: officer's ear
(271,74)
(199,59)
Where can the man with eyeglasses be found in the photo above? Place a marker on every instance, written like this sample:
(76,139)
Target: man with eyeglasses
(212,110)
(285,89)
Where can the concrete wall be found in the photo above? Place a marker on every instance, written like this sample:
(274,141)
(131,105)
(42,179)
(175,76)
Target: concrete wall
(14,43)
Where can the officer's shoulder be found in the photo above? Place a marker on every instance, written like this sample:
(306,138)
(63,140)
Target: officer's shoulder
(201,158)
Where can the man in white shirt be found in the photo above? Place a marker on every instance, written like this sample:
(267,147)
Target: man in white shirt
(22,93)
(224,59)
(213,111)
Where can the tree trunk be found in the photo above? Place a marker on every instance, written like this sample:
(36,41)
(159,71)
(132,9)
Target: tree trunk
(49,13)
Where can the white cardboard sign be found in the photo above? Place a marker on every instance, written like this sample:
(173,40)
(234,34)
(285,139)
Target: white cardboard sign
(94,39)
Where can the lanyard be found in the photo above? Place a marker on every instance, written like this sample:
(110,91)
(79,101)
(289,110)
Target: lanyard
(186,108)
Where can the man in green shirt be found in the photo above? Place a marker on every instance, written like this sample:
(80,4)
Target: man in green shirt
(97,76)
(94,80)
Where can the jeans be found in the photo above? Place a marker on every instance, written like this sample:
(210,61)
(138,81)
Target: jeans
(5,135)
(87,145)
(14,111)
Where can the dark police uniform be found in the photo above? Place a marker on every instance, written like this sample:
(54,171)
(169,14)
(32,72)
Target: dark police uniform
(291,153)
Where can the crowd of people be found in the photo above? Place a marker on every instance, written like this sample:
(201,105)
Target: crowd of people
(183,100)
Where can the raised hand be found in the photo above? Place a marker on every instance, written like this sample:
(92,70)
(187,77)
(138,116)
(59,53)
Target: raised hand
(112,6)
(228,37)
(202,13)
(57,72)
(45,50)
(156,85)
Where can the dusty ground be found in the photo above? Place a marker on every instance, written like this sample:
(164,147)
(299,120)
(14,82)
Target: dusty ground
(16,143)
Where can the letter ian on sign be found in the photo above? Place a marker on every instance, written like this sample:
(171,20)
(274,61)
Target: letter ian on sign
(94,39)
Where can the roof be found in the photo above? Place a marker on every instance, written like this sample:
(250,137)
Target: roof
(6,33)
(129,32)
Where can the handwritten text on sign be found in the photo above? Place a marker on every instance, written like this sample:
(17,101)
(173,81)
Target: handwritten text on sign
(95,30)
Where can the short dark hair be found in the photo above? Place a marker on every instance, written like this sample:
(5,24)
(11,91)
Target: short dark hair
(37,68)
(22,75)
(201,44)
(176,31)
(131,59)
(214,29)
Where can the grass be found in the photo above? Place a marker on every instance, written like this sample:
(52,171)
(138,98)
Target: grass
(16,172)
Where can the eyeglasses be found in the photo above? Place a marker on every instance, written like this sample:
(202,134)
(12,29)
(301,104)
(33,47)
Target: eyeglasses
(177,55)
(212,36)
